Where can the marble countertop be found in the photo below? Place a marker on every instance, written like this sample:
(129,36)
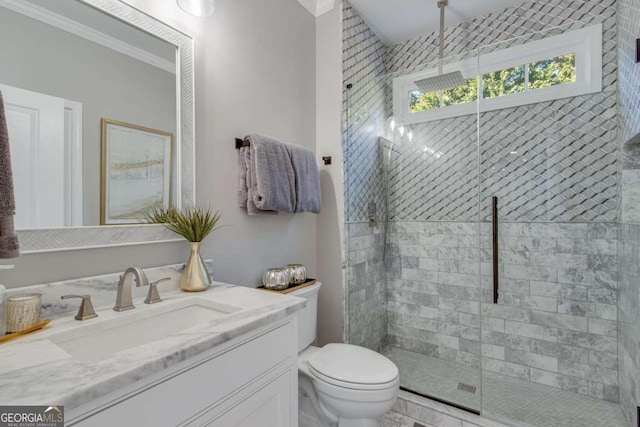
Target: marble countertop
(35,371)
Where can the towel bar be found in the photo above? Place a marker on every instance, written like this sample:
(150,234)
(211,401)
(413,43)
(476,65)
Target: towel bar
(245,143)
(241,143)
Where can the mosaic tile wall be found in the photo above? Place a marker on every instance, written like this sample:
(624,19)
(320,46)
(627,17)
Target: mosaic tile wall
(629,229)
(364,114)
(566,166)
(363,119)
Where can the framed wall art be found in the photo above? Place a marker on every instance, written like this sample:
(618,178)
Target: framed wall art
(136,171)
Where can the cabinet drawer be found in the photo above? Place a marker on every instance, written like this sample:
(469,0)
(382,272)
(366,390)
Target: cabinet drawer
(190,391)
(269,406)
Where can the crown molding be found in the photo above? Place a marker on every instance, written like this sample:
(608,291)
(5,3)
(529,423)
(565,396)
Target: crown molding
(63,23)
(318,7)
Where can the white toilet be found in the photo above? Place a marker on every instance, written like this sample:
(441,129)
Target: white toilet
(340,384)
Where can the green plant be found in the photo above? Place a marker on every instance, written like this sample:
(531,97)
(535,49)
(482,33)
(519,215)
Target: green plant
(194,224)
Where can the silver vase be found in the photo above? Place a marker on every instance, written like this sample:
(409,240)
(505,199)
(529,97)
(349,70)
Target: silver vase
(297,274)
(195,277)
(276,279)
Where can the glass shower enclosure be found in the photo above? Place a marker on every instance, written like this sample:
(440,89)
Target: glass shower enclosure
(480,241)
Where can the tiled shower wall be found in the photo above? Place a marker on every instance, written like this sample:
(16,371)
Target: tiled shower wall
(554,168)
(629,229)
(556,322)
(363,118)
(553,161)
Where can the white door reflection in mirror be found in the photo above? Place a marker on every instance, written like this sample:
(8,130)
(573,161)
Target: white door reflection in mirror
(44,153)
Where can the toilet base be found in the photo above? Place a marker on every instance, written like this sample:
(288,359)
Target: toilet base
(363,422)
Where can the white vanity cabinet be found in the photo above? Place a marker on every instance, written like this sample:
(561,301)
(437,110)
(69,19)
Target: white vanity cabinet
(250,381)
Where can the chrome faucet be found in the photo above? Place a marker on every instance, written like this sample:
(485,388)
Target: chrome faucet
(124,301)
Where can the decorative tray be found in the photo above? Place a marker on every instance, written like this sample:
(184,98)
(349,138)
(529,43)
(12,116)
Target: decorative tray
(290,289)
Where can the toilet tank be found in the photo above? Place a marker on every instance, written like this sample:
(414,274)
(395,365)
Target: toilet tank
(308,316)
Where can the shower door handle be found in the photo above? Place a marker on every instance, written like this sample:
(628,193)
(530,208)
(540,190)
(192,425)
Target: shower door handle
(494,223)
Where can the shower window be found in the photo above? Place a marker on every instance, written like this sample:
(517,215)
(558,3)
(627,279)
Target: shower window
(560,66)
(503,82)
(462,94)
(420,101)
(559,70)
(551,72)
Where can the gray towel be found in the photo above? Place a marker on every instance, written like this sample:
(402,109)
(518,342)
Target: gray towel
(248,189)
(9,245)
(243,189)
(271,175)
(305,168)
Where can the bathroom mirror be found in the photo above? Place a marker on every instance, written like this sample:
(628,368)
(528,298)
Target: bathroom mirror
(99,106)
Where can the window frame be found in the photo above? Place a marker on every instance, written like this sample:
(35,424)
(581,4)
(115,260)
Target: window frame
(585,43)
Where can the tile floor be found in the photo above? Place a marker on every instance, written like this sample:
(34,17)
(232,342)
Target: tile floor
(396,419)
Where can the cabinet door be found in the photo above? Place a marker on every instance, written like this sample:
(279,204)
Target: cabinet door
(195,390)
(270,406)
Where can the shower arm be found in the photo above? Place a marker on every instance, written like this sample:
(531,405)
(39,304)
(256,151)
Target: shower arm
(442,4)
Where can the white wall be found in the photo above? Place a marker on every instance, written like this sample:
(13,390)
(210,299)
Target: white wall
(255,71)
(329,143)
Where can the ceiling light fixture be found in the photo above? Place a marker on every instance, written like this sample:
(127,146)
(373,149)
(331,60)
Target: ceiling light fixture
(199,8)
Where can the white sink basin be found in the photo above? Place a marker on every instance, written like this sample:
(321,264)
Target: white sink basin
(121,331)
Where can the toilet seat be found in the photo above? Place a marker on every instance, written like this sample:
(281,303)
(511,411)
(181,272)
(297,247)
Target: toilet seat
(352,367)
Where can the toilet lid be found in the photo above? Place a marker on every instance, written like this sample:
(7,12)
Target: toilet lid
(352,364)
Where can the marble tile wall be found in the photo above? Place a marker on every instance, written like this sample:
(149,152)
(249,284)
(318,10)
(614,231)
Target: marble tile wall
(629,228)
(555,323)
(363,119)
(629,319)
(366,284)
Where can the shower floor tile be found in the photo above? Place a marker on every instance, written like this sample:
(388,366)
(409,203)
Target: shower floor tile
(503,398)
(435,377)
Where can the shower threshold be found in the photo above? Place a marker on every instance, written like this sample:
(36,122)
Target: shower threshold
(437,399)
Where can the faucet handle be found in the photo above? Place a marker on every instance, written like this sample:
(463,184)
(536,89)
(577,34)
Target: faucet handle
(153,296)
(86,310)
(160,281)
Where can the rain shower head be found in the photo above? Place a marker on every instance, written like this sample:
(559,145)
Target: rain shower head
(441,81)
